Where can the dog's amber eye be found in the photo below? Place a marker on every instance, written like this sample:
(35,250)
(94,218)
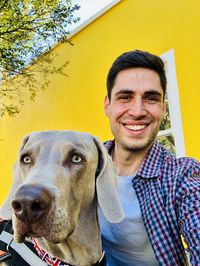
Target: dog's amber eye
(76,158)
(26,159)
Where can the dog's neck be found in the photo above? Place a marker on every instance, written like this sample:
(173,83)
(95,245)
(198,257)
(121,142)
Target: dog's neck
(82,249)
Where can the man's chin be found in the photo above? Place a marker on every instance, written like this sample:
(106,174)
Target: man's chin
(138,146)
(137,149)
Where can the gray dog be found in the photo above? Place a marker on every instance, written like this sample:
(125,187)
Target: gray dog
(58,179)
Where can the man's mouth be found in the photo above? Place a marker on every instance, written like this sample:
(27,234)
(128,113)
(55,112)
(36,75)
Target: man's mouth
(135,127)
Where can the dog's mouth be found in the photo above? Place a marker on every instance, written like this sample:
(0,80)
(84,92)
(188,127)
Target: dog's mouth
(25,230)
(52,231)
(32,233)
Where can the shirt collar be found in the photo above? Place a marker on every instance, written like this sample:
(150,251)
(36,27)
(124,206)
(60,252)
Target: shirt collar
(151,165)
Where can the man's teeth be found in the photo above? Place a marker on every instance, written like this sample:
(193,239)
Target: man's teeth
(135,127)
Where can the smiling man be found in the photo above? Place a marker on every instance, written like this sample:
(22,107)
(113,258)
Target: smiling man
(159,193)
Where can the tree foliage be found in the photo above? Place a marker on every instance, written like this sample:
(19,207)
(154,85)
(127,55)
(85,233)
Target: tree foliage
(166,121)
(28,29)
(167,140)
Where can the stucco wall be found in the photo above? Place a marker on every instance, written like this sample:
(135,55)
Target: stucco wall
(76,102)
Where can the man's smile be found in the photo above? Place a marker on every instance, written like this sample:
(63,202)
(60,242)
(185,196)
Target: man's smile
(135,127)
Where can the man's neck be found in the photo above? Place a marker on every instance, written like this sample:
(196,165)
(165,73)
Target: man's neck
(128,162)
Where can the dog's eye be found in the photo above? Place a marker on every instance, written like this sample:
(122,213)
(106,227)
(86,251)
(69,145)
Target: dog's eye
(76,158)
(26,159)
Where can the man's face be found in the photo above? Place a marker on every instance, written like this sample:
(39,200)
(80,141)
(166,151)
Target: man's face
(136,108)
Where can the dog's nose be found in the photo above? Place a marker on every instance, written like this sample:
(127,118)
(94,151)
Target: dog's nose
(31,203)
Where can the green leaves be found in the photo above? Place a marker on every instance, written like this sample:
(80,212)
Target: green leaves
(28,29)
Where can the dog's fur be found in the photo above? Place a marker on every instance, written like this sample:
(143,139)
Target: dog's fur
(69,230)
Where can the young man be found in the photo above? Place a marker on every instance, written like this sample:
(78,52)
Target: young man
(159,193)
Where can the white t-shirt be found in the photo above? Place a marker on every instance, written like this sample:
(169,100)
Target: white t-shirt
(127,242)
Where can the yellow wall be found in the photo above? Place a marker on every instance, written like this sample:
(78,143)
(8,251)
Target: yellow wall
(76,102)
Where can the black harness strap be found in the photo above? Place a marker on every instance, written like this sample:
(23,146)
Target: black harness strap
(14,259)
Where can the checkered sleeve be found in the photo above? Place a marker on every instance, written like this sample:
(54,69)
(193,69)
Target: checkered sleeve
(189,212)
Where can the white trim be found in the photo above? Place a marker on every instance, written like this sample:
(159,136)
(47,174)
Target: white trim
(166,132)
(174,105)
(92,18)
(27,254)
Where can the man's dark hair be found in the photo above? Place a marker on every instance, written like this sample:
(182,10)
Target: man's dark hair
(135,59)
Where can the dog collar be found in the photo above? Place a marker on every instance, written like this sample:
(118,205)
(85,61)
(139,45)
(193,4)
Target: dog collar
(57,262)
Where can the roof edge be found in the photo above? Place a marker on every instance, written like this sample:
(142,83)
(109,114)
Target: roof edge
(93,18)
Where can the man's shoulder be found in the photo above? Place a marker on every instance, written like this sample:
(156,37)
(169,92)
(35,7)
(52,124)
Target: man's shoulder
(181,161)
(181,168)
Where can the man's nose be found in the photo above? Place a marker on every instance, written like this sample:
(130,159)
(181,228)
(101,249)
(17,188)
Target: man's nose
(137,108)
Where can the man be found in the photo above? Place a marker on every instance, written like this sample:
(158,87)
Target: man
(159,193)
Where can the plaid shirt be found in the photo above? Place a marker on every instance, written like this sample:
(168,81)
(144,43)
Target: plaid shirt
(168,190)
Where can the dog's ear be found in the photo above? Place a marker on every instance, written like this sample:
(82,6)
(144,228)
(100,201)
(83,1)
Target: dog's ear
(106,186)
(6,210)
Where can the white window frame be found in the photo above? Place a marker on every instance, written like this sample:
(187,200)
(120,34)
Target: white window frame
(174,106)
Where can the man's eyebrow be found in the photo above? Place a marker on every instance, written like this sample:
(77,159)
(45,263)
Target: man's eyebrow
(130,92)
(124,91)
(153,92)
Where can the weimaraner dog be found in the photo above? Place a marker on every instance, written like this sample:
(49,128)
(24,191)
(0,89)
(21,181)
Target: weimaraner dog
(59,178)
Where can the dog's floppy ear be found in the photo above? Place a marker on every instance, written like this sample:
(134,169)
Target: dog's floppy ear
(106,186)
(6,210)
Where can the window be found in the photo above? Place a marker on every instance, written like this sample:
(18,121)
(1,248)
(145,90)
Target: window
(171,131)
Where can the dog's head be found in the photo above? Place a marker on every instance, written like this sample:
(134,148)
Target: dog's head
(57,178)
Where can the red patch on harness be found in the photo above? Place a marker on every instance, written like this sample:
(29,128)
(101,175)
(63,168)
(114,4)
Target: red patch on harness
(4,255)
(2,252)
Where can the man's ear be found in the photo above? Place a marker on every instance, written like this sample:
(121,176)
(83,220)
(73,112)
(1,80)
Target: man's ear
(106,186)
(107,105)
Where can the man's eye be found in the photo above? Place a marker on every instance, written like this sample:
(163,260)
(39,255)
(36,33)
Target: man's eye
(76,158)
(151,99)
(26,159)
(124,97)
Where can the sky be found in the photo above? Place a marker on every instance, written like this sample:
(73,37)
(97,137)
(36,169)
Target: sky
(88,8)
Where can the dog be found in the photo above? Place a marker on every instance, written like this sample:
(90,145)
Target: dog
(60,178)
